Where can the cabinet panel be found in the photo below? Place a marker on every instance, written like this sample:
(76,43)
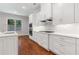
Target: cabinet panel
(68,13)
(69,46)
(62,45)
(77,46)
(57,13)
(46,10)
(41,39)
(76,12)
(8,46)
(1,46)
(63,13)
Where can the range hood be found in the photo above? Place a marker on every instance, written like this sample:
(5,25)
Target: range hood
(47,20)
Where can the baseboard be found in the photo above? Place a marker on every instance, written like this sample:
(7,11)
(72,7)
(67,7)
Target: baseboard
(38,44)
(43,47)
(23,35)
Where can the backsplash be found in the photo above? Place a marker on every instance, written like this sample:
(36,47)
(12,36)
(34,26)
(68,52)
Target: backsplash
(64,28)
(68,28)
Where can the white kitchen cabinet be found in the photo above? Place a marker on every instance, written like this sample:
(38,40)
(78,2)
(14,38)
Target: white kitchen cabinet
(62,45)
(45,10)
(68,13)
(35,36)
(63,13)
(57,13)
(36,19)
(77,46)
(44,13)
(8,45)
(41,39)
(76,12)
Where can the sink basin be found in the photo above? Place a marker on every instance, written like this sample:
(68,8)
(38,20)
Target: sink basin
(47,31)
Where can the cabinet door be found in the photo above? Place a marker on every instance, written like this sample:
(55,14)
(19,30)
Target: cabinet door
(69,46)
(77,46)
(63,13)
(76,12)
(62,45)
(43,40)
(46,10)
(36,19)
(1,46)
(35,36)
(8,46)
(57,13)
(67,13)
(56,44)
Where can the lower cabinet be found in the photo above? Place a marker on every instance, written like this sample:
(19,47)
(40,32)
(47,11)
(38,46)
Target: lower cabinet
(59,44)
(77,45)
(8,45)
(62,45)
(41,38)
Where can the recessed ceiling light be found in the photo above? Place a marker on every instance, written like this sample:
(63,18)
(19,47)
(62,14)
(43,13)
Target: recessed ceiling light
(23,7)
(15,12)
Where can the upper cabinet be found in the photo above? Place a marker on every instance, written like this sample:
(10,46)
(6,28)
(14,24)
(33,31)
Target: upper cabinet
(43,14)
(45,11)
(36,19)
(63,13)
(68,13)
(57,13)
(77,13)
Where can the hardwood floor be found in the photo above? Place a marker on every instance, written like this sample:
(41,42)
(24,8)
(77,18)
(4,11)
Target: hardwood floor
(29,47)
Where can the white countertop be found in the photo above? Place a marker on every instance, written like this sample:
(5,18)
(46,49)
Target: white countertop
(4,34)
(63,34)
(69,30)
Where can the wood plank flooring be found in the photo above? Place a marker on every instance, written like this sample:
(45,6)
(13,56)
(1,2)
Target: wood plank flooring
(29,47)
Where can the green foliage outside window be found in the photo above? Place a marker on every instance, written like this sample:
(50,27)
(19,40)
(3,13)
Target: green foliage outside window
(11,22)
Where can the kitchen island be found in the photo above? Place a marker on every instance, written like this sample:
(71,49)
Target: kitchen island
(8,43)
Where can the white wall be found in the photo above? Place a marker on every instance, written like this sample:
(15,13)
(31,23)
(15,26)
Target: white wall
(4,18)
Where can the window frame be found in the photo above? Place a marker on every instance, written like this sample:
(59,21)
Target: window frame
(14,25)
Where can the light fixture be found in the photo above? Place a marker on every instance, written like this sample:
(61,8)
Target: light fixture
(23,7)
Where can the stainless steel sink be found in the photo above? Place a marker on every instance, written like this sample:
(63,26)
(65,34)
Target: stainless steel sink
(47,31)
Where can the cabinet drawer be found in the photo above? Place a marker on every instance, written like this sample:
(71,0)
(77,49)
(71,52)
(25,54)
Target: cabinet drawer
(65,49)
(65,45)
(68,39)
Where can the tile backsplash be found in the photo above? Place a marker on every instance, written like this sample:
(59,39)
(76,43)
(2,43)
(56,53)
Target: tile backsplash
(64,28)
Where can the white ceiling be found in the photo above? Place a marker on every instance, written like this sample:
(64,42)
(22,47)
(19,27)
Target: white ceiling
(23,9)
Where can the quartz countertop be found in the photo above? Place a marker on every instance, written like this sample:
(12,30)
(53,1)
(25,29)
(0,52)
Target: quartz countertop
(69,30)
(63,34)
(66,34)
(4,34)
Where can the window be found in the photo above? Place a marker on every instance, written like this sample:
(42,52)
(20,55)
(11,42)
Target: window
(18,25)
(14,25)
(11,25)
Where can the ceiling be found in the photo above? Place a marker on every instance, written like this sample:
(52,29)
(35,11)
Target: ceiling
(23,9)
